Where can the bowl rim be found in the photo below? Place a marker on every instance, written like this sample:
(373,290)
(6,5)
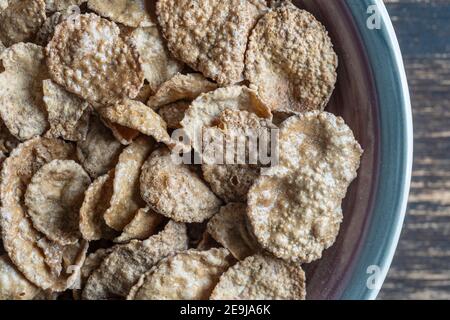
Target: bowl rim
(396,149)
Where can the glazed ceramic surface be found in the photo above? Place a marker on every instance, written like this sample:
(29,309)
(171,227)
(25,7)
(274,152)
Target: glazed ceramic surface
(372,96)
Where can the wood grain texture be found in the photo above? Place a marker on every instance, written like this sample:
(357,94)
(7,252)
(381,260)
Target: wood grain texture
(421,267)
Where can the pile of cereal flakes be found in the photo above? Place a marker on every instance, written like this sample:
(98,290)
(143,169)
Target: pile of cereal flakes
(99,102)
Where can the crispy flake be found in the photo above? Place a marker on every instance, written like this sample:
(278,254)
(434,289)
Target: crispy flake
(181,87)
(99,152)
(291,61)
(126,263)
(88,57)
(137,116)
(175,190)
(319,158)
(132,13)
(209,35)
(229,228)
(21,94)
(261,277)
(20,239)
(144,224)
(157,63)
(20,20)
(126,198)
(190,275)
(68,114)
(96,201)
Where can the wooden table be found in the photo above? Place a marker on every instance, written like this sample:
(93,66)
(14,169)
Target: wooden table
(421,267)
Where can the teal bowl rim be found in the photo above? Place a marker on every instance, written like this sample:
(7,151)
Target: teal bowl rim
(396,151)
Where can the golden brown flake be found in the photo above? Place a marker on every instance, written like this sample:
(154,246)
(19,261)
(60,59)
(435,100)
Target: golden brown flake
(132,13)
(126,198)
(137,116)
(54,197)
(232,177)
(22,108)
(181,87)
(126,263)
(291,61)
(20,239)
(99,152)
(157,63)
(144,224)
(210,35)
(190,275)
(88,57)
(261,277)
(21,20)
(68,114)
(176,191)
(96,202)
(295,208)
(229,228)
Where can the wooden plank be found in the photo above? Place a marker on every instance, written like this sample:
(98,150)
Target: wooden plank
(421,266)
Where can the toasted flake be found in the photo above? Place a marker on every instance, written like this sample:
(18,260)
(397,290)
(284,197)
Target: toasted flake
(181,87)
(88,57)
(60,5)
(174,113)
(20,20)
(206,109)
(229,228)
(13,285)
(144,224)
(132,13)
(100,151)
(291,61)
(261,277)
(20,239)
(190,275)
(21,90)
(54,197)
(231,179)
(176,191)
(209,35)
(122,268)
(126,198)
(157,63)
(68,114)
(295,208)
(47,30)
(96,201)
(137,116)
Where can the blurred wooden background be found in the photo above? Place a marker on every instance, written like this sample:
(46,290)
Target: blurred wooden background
(421,267)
